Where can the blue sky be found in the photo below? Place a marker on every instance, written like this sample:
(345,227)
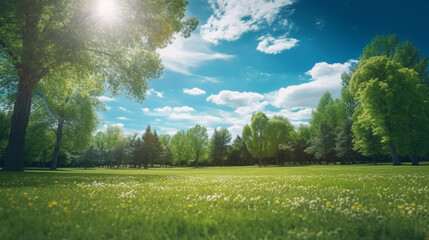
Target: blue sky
(276,56)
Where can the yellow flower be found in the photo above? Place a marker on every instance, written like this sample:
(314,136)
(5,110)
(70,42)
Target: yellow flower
(257,198)
(277,202)
(324,199)
(413,205)
(66,210)
(52,204)
(30,204)
(365,211)
(65,202)
(356,203)
(328,203)
(190,205)
(400,207)
(300,216)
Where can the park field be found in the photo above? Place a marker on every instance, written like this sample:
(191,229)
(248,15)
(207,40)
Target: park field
(309,202)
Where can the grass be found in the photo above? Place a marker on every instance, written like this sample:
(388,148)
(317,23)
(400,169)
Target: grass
(311,202)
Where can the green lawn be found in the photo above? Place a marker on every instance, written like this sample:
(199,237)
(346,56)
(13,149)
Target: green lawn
(310,202)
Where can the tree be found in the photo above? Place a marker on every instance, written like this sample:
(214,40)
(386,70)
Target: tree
(148,147)
(4,132)
(364,140)
(404,53)
(70,106)
(322,125)
(255,136)
(107,141)
(279,131)
(302,138)
(219,145)
(39,37)
(392,101)
(344,137)
(180,148)
(238,154)
(198,140)
(165,152)
(89,157)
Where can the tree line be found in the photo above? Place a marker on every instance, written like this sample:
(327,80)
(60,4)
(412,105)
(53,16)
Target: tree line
(382,115)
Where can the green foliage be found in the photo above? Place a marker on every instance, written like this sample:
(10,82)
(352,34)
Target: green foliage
(180,148)
(151,147)
(255,136)
(238,154)
(4,132)
(279,133)
(41,38)
(325,119)
(315,202)
(391,104)
(197,139)
(219,145)
(166,155)
(404,53)
(120,47)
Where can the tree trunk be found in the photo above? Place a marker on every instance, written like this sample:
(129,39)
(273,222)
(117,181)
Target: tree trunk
(277,155)
(394,156)
(145,162)
(374,159)
(196,162)
(15,151)
(414,160)
(57,144)
(45,154)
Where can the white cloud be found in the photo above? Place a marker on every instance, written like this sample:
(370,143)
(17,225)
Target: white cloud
(125,110)
(324,77)
(107,107)
(106,99)
(123,118)
(273,45)
(145,110)
(232,18)
(158,94)
(236,99)
(194,91)
(168,109)
(297,114)
(184,54)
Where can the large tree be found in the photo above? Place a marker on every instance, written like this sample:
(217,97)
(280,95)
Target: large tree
(279,132)
(393,104)
(219,145)
(180,148)
(38,37)
(256,135)
(323,124)
(70,106)
(198,141)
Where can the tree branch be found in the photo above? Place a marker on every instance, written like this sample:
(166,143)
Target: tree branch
(9,52)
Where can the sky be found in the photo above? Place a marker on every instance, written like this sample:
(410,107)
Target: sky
(275,56)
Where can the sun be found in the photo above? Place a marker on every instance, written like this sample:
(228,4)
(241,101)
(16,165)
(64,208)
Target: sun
(106,8)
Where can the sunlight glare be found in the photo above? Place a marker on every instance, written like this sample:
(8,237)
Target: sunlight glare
(106,8)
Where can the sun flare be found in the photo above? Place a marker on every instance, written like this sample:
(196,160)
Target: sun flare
(106,8)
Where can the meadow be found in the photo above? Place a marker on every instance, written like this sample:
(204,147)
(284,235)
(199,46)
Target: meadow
(309,202)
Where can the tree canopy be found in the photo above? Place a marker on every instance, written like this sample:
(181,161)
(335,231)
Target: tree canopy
(38,38)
